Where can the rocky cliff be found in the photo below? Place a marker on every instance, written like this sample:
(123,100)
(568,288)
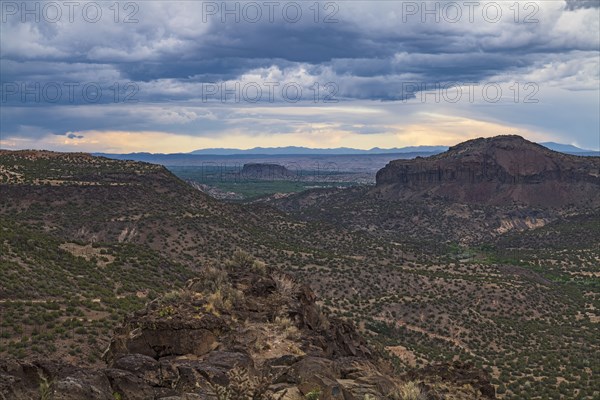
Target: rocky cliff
(242,331)
(498,170)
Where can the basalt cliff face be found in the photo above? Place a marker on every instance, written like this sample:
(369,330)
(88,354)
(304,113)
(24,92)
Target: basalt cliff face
(499,170)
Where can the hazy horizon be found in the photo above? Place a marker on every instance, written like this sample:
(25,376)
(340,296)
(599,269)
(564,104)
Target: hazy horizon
(373,150)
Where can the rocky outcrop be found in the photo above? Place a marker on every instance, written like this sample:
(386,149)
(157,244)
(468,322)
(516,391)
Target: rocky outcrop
(454,374)
(499,170)
(240,332)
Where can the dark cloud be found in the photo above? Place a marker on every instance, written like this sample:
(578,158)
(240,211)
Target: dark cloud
(155,49)
(371,53)
(575,4)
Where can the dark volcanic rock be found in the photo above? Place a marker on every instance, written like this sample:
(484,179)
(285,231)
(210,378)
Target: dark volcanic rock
(249,330)
(460,374)
(173,338)
(499,170)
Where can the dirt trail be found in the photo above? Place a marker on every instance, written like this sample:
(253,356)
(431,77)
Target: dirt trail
(456,342)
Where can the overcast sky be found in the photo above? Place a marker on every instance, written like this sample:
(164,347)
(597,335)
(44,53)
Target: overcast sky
(177,76)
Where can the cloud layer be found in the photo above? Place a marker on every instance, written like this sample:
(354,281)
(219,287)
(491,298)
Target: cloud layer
(216,70)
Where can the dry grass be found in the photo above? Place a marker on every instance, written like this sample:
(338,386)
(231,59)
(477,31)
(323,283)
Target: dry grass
(286,325)
(408,391)
(285,284)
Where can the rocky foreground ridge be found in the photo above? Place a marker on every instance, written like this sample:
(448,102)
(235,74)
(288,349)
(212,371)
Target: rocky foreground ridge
(242,331)
(499,170)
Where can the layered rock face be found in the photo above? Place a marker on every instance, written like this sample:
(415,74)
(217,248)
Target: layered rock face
(499,170)
(241,333)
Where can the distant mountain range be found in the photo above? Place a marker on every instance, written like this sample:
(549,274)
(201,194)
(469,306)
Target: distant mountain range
(301,151)
(296,150)
(569,149)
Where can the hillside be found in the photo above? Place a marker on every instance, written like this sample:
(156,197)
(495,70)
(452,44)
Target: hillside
(485,268)
(511,290)
(239,331)
(473,193)
(87,239)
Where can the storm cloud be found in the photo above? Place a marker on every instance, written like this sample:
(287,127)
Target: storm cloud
(165,65)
